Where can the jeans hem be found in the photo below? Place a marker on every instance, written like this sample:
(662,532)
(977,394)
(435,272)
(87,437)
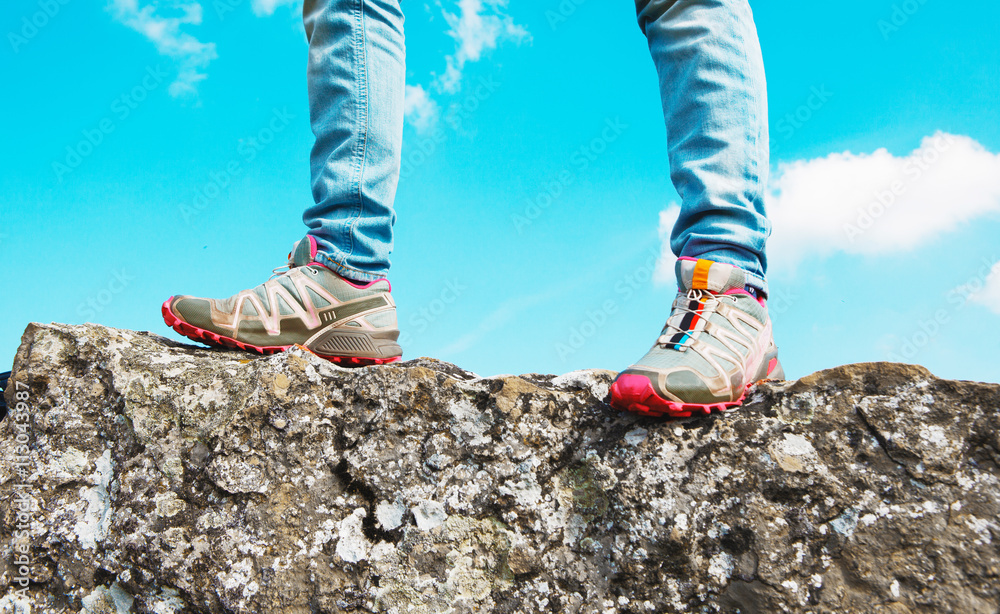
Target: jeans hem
(346,271)
(753,279)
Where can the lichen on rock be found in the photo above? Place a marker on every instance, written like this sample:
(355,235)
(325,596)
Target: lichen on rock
(169,479)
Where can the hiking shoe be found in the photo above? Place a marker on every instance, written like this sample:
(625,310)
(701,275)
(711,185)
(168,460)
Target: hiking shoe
(716,343)
(307,305)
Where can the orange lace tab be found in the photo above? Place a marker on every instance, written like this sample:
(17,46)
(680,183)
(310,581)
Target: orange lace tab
(700,279)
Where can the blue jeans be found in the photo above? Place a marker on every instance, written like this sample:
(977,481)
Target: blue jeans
(356,77)
(714,97)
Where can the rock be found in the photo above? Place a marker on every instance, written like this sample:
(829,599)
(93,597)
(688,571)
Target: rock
(160,478)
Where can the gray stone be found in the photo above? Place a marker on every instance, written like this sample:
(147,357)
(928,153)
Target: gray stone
(162,478)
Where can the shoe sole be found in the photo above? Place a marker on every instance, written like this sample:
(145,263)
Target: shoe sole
(214,339)
(634,393)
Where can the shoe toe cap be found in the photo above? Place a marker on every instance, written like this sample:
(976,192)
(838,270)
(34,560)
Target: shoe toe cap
(195,311)
(689,387)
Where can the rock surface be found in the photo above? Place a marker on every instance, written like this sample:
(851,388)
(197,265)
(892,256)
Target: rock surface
(165,479)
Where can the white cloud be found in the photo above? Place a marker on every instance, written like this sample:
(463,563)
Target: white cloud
(267,7)
(664,273)
(420,108)
(192,56)
(479,26)
(876,203)
(879,203)
(989,294)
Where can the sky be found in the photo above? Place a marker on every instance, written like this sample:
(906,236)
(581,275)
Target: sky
(161,148)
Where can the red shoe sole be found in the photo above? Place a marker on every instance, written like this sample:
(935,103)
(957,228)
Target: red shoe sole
(634,393)
(210,338)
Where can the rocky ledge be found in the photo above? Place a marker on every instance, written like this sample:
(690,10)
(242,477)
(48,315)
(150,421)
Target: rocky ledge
(161,478)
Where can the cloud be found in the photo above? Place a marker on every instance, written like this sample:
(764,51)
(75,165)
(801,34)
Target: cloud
(479,26)
(191,55)
(420,108)
(263,8)
(877,203)
(989,294)
(664,273)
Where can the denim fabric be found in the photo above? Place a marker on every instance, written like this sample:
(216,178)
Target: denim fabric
(356,75)
(712,84)
(714,95)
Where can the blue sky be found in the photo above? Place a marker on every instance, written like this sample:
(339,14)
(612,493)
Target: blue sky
(511,254)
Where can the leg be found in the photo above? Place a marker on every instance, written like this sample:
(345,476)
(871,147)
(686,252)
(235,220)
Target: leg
(714,97)
(356,108)
(717,340)
(356,84)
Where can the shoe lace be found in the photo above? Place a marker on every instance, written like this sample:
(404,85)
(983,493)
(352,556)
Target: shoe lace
(670,329)
(278,272)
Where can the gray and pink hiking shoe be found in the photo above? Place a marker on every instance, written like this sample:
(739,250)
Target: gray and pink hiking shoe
(717,342)
(307,305)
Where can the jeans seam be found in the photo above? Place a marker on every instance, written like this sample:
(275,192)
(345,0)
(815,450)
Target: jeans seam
(760,183)
(749,111)
(361,149)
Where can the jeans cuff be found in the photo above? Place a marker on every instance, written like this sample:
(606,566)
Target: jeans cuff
(346,271)
(754,277)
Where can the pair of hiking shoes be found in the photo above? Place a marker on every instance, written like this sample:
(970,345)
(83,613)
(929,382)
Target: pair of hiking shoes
(716,343)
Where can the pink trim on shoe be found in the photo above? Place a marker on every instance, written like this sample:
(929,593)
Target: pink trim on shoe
(210,338)
(313,247)
(760,299)
(367,285)
(353,283)
(634,393)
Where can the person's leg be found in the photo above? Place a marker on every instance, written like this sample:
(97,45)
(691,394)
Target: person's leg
(711,73)
(356,87)
(356,81)
(717,340)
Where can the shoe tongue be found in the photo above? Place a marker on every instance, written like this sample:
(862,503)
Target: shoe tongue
(303,252)
(708,275)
